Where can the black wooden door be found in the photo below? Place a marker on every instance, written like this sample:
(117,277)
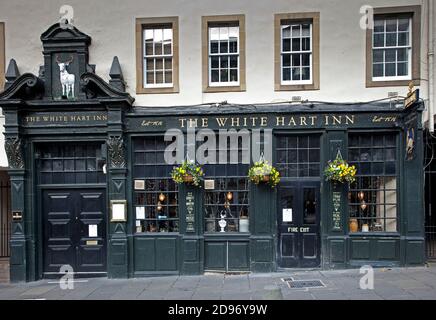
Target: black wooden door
(74,230)
(298,224)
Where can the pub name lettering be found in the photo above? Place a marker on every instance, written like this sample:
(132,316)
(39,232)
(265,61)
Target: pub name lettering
(263,121)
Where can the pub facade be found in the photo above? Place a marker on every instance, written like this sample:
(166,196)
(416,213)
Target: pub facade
(92,191)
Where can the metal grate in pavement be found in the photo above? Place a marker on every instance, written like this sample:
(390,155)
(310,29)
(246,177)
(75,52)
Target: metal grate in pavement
(303,284)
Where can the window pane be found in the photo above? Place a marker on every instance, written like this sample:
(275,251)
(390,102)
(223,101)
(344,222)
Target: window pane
(403,24)
(224,47)
(305,59)
(305,30)
(215,76)
(286,31)
(149,64)
(305,75)
(377,56)
(391,25)
(150,78)
(233,46)
(159,64)
(286,74)
(296,31)
(286,45)
(379,25)
(379,40)
(214,47)
(213,34)
(224,76)
(233,74)
(159,76)
(390,70)
(158,48)
(305,44)
(391,39)
(233,61)
(296,44)
(168,77)
(402,55)
(296,60)
(214,61)
(403,39)
(167,47)
(224,62)
(390,55)
(224,33)
(149,48)
(295,73)
(402,69)
(286,58)
(377,70)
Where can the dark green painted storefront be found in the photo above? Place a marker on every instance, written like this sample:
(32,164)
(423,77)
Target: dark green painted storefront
(58,148)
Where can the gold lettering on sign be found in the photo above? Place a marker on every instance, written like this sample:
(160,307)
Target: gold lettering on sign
(235,122)
(280,121)
(66,118)
(204,122)
(221,121)
(377,119)
(149,123)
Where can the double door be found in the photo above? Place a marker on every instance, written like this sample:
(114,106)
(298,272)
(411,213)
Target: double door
(298,220)
(74,230)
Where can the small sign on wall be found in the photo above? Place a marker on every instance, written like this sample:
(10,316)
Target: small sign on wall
(92,230)
(118,211)
(287,214)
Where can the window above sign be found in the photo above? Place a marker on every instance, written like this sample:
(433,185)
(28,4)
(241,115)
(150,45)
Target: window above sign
(223,53)
(393,47)
(296,51)
(157,55)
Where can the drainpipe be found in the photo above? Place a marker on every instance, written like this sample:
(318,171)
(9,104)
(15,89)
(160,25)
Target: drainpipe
(431,97)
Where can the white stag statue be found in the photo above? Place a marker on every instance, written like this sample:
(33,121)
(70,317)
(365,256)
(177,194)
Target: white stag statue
(67,80)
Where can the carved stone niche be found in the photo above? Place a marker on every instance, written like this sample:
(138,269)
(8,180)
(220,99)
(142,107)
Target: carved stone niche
(116,152)
(65,60)
(14,152)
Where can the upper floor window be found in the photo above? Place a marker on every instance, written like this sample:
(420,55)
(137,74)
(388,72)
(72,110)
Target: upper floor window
(157,55)
(391,52)
(223,53)
(297,51)
(393,46)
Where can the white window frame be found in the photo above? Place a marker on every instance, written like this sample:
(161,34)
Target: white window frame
(310,52)
(159,56)
(384,48)
(210,55)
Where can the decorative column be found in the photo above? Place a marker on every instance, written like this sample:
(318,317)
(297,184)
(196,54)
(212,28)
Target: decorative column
(191,229)
(334,203)
(18,243)
(117,177)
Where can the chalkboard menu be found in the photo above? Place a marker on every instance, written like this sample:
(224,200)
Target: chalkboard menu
(190,212)
(336,216)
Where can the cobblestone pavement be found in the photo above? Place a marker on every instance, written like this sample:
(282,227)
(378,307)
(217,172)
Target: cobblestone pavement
(395,283)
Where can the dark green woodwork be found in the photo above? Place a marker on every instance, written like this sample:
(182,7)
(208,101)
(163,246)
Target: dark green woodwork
(103,112)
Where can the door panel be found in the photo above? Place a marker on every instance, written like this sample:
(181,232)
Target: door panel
(74,229)
(298,224)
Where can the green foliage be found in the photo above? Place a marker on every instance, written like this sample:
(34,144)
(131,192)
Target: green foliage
(262,171)
(188,172)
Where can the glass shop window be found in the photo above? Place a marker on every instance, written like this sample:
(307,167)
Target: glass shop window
(373,196)
(226,205)
(69,163)
(298,156)
(155,193)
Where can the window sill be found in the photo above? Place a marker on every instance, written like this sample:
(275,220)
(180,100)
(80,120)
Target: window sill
(390,83)
(210,89)
(157,90)
(296,87)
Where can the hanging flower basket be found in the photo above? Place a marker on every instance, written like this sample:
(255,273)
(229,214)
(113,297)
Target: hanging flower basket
(188,172)
(339,170)
(263,172)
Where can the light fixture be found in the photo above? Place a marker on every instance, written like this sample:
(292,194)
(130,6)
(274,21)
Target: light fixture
(363,205)
(361,195)
(159,206)
(161,197)
(229,196)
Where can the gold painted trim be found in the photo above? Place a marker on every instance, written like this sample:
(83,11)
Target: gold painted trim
(315,17)
(415,11)
(205,20)
(139,26)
